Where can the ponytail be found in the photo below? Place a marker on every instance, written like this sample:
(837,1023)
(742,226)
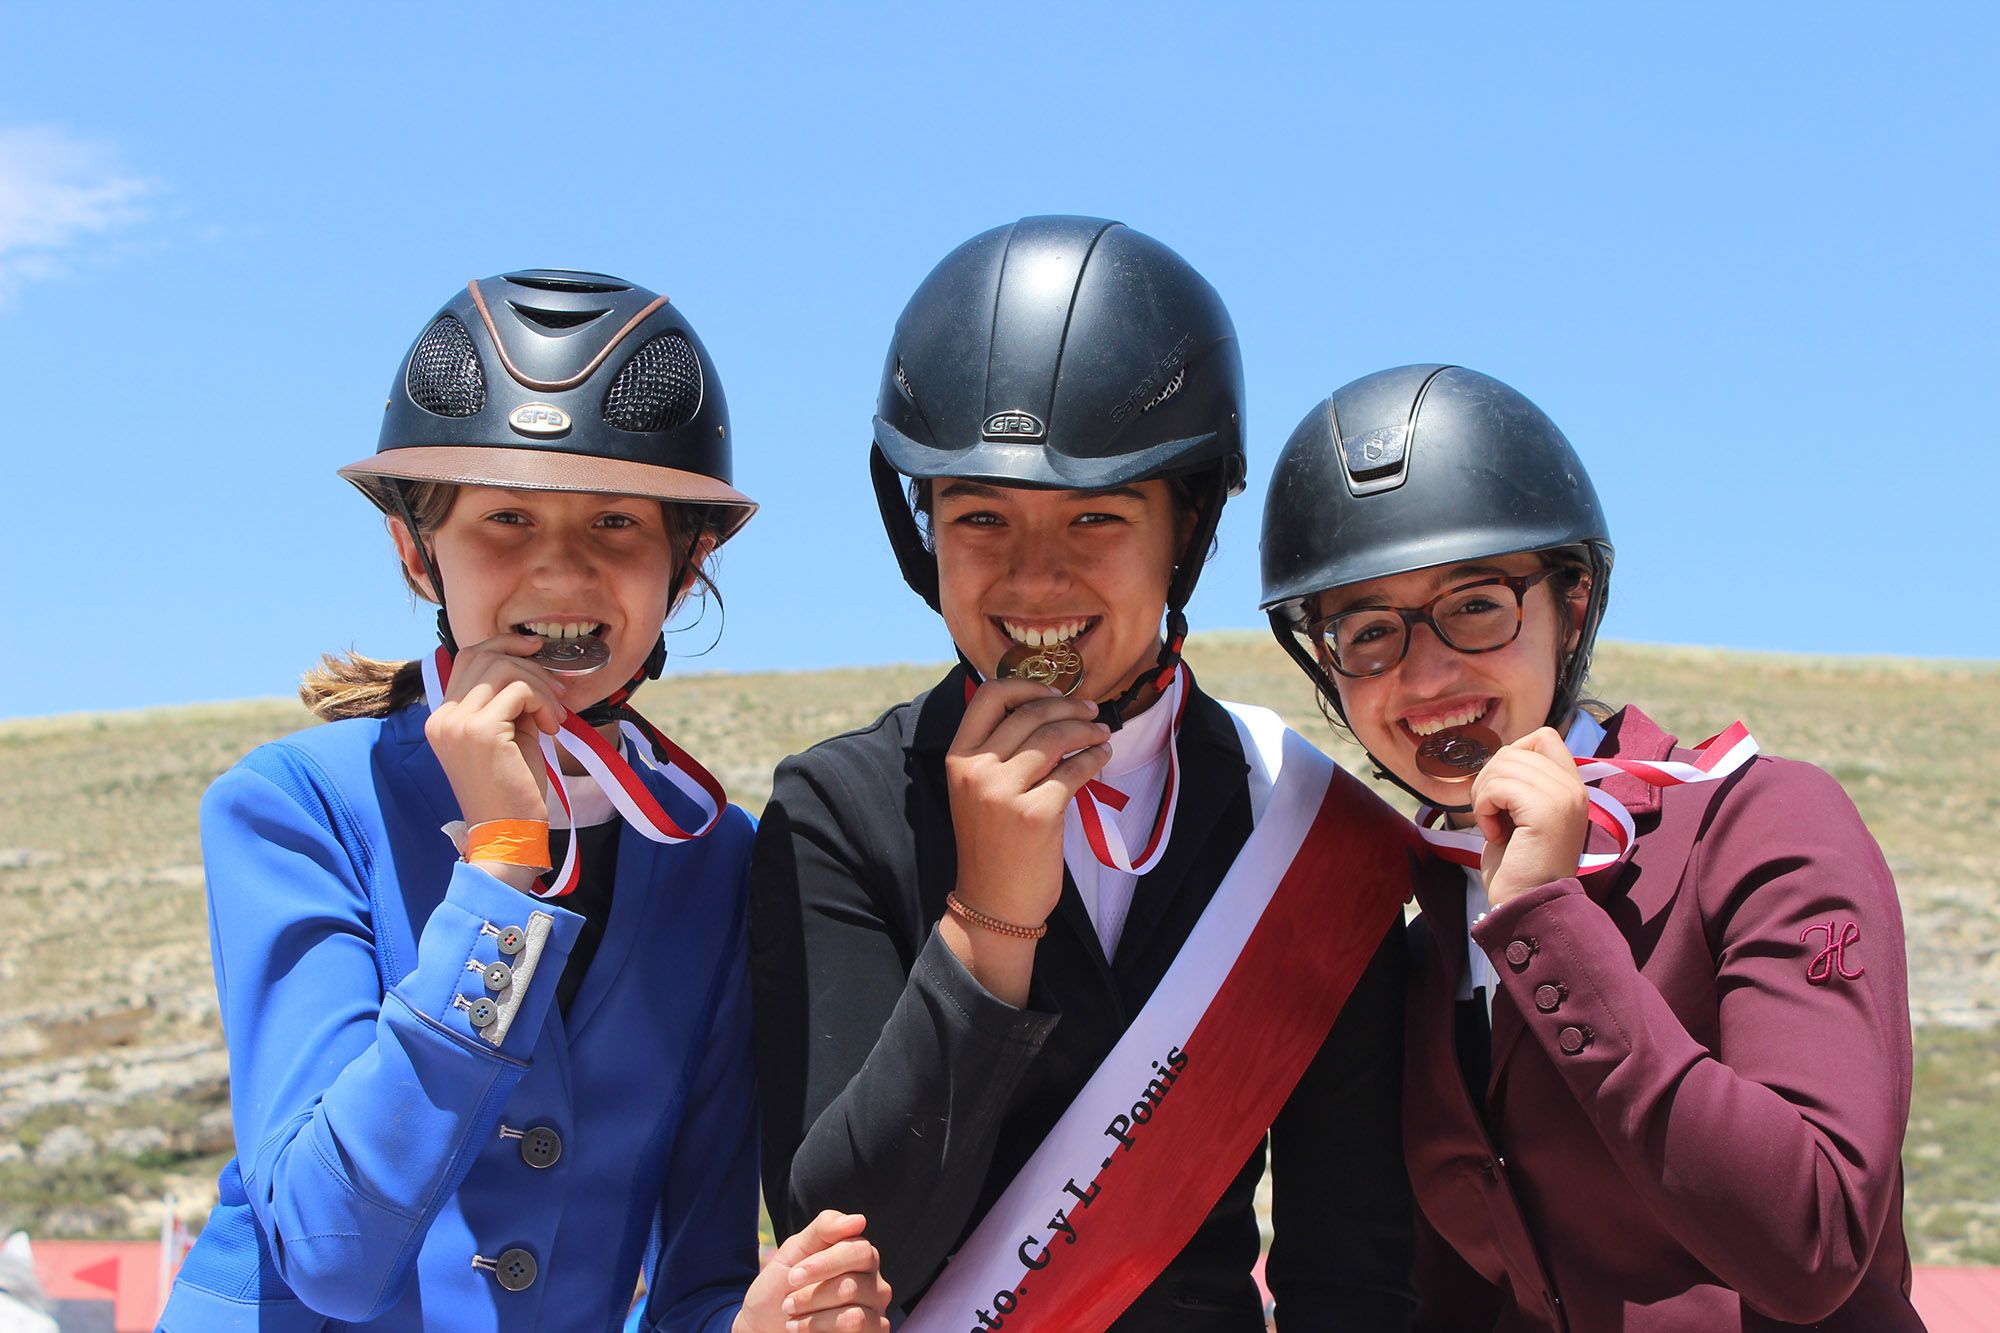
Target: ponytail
(347,685)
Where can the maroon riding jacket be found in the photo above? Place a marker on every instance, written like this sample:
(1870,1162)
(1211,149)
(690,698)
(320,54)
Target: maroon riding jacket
(1700,1074)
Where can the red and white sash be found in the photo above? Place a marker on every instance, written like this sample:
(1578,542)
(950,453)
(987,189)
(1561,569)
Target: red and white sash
(620,781)
(1715,758)
(1137,1161)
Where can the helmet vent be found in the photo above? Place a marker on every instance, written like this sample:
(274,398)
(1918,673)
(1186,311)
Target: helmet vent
(444,375)
(556,319)
(659,388)
(903,382)
(1172,387)
(548,284)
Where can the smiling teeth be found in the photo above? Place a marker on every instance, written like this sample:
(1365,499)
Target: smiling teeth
(554,629)
(1463,717)
(1042,638)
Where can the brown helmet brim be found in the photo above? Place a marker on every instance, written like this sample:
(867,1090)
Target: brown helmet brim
(543,469)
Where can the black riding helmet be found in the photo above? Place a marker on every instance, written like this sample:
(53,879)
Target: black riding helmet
(1420,466)
(553,379)
(1063,353)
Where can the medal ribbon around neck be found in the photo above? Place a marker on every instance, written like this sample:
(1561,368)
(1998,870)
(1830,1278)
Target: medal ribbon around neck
(1107,843)
(621,782)
(1715,758)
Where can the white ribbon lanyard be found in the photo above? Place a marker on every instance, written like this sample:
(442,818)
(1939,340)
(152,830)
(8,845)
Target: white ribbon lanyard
(621,783)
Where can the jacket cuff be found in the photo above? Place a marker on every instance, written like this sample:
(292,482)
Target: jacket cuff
(1543,945)
(942,976)
(488,962)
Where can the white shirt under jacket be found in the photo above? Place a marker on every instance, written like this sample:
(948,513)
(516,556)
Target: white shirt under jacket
(1138,768)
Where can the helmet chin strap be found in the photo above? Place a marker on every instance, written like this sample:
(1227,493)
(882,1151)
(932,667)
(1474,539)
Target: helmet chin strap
(429,562)
(1112,712)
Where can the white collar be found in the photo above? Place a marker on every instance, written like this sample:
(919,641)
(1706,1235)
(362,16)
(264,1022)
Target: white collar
(1142,740)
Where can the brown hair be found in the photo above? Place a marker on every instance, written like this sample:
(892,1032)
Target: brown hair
(344,685)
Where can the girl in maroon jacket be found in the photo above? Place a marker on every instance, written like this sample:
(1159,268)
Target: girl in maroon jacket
(1657,1071)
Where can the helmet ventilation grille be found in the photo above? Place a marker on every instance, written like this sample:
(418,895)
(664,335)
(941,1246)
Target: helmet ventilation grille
(444,376)
(556,319)
(659,388)
(549,284)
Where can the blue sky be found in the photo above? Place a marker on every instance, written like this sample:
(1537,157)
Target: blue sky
(1744,255)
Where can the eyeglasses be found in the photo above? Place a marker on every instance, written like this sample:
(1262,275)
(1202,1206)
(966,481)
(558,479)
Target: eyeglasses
(1477,617)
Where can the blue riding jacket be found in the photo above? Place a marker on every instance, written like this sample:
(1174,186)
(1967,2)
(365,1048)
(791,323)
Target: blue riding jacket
(427,1142)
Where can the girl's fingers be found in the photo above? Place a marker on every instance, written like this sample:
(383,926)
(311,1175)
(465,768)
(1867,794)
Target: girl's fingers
(853,1257)
(991,704)
(829,1228)
(1047,747)
(1007,739)
(1069,776)
(853,1319)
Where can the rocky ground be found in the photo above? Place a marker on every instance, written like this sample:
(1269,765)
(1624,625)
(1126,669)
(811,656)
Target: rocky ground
(114,1083)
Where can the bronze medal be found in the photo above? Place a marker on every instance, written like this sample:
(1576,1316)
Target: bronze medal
(1456,755)
(1053,664)
(572,657)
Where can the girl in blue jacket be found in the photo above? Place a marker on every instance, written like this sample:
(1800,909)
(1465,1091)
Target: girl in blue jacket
(480,942)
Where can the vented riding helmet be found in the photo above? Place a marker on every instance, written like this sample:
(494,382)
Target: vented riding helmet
(1420,466)
(1062,353)
(558,380)
(550,379)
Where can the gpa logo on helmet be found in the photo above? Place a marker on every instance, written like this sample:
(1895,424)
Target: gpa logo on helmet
(539,419)
(1014,426)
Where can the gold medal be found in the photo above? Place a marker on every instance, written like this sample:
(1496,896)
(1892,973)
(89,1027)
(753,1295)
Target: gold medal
(1053,664)
(1457,754)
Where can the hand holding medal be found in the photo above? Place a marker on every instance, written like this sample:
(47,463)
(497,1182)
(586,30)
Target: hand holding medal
(1714,759)
(1021,753)
(486,730)
(1527,802)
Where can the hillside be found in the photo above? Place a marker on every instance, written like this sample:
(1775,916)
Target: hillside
(113,1082)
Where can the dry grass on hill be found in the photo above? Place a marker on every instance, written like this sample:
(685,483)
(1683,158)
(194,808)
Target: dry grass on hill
(113,1084)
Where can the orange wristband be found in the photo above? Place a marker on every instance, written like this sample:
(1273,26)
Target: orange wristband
(511,842)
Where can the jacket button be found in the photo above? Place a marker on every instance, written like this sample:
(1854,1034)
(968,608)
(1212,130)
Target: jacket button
(516,1270)
(541,1147)
(1520,951)
(1574,1039)
(512,940)
(1549,998)
(498,976)
(483,1012)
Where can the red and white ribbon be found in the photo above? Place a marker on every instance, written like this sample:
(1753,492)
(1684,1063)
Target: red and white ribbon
(1715,758)
(1107,841)
(627,791)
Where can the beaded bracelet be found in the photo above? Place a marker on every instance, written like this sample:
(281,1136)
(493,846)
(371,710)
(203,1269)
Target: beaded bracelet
(512,842)
(972,917)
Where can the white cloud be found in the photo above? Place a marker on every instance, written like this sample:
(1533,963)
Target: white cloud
(57,195)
